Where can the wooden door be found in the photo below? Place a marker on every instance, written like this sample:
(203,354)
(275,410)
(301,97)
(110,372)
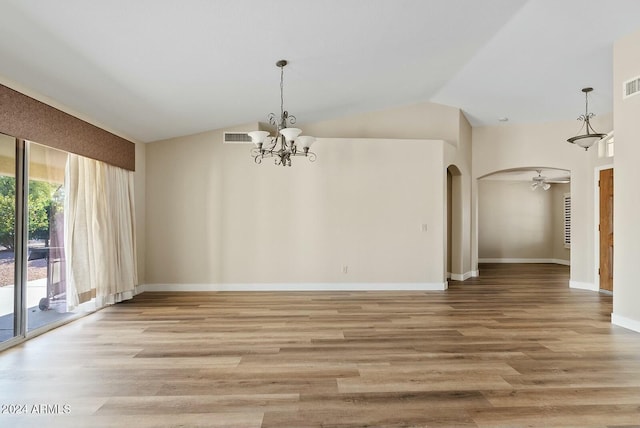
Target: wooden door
(606,229)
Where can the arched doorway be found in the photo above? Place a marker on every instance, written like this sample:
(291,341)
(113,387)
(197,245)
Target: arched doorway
(454,257)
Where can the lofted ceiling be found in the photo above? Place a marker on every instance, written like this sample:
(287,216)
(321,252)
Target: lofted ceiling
(155,69)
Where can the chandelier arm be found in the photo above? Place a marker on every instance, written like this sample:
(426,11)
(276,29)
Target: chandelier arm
(272,119)
(269,147)
(590,129)
(311,155)
(291,119)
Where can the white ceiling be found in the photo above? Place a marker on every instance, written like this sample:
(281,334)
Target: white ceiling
(153,69)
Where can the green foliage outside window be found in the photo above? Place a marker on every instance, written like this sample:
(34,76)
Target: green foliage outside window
(44,199)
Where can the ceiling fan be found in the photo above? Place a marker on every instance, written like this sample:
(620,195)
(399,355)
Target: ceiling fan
(540,181)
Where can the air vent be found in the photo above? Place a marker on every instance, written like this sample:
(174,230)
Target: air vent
(631,87)
(236,137)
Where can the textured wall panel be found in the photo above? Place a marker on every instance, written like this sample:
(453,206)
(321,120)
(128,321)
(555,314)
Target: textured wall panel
(29,119)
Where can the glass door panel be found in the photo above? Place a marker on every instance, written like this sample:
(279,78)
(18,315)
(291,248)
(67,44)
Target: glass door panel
(46,286)
(7,236)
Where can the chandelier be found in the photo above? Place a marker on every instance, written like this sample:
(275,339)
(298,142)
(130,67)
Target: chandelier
(287,142)
(587,139)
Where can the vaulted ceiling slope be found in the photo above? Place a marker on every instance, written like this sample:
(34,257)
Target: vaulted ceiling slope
(154,69)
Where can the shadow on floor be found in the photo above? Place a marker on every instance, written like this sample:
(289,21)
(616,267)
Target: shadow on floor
(35,319)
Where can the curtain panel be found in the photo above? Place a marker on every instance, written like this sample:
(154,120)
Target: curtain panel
(99,232)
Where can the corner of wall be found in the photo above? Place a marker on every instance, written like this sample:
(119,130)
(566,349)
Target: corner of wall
(140,182)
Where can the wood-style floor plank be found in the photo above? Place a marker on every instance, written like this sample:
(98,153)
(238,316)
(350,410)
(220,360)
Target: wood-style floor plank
(514,347)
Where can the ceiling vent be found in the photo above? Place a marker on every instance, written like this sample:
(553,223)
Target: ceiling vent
(631,87)
(236,138)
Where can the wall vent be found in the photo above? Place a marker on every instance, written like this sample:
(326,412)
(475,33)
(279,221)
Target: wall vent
(236,138)
(631,87)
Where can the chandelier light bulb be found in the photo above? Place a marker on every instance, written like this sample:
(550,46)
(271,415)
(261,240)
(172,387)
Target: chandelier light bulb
(290,134)
(258,137)
(305,141)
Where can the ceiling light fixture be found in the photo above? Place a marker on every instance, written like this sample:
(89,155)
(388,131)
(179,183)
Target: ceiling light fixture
(587,139)
(540,182)
(286,142)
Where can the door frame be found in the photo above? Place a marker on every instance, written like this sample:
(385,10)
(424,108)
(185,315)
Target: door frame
(596,223)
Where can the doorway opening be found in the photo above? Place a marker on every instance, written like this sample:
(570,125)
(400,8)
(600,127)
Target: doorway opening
(454,256)
(521,216)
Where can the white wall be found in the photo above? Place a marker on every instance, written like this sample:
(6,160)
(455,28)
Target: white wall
(626,265)
(497,148)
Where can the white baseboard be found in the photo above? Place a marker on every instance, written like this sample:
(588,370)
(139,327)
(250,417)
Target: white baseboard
(517,260)
(583,285)
(625,322)
(345,286)
(463,277)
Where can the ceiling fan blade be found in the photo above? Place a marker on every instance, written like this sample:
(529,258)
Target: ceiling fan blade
(559,180)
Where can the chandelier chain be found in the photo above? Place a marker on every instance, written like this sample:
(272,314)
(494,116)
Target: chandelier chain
(282,92)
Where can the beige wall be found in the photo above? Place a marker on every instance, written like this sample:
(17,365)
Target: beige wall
(183,210)
(458,155)
(418,121)
(517,223)
(214,217)
(356,206)
(248,223)
(626,268)
(497,148)
(139,183)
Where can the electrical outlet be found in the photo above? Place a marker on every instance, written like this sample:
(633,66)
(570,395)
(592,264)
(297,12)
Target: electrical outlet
(423,227)
(345,269)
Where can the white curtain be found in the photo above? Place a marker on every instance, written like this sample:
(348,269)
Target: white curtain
(99,229)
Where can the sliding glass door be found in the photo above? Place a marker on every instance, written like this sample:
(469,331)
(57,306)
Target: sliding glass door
(32,257)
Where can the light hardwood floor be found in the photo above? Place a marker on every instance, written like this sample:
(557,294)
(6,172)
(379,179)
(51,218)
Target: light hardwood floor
(515,347)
